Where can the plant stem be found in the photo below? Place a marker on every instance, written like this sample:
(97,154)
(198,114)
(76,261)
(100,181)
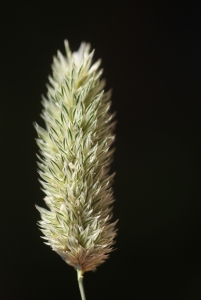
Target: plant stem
(80,282)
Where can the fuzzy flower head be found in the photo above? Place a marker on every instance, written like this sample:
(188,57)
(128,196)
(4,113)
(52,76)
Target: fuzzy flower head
(74,161)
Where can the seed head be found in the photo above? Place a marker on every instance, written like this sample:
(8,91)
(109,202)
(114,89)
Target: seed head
(74,161)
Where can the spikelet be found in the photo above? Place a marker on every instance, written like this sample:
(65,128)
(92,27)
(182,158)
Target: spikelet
(74,161)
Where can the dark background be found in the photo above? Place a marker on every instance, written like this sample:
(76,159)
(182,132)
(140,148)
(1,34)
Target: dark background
(151,52)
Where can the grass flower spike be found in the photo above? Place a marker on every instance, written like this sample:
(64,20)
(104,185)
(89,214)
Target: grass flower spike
(74,162)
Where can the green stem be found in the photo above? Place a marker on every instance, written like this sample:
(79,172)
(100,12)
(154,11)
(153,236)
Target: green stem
(80,281)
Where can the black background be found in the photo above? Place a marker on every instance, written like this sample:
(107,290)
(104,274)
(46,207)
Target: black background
(151,53)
